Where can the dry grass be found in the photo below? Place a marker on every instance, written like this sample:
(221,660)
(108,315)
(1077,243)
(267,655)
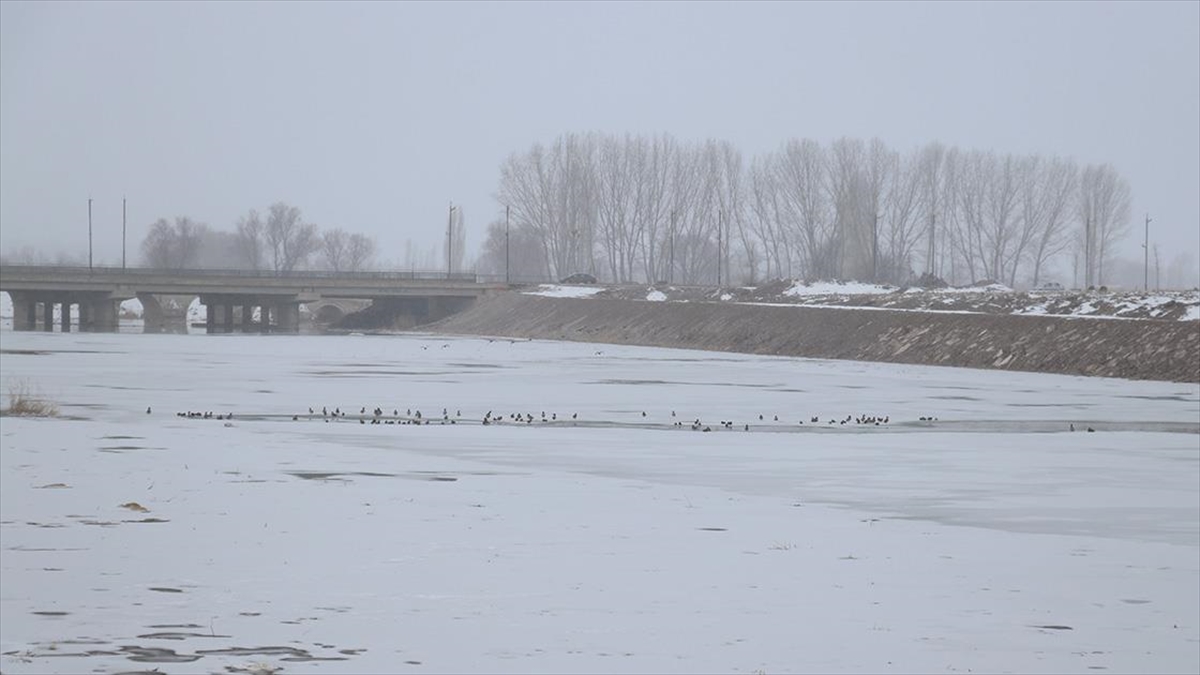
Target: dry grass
(23,401)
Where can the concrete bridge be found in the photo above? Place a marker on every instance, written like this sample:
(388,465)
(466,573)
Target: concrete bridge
(230,296)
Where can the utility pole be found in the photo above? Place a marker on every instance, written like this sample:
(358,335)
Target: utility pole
(122,232)
(449,240)
(720,222)
(875,250)
(89,235)
(671,269)
(1146,256)
(1087,253)
(506,275)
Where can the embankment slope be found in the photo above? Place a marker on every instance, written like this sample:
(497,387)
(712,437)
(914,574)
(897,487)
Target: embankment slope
(1134,349)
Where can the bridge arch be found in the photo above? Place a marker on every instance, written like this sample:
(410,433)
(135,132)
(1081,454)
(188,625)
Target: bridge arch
(328,311)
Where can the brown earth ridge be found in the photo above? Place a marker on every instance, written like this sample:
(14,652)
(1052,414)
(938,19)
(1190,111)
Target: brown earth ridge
(1123,348)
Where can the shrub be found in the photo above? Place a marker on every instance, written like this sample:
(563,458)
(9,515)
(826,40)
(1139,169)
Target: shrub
(24,402)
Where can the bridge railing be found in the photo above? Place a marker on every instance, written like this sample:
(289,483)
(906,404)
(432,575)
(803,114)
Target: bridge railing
(365,275)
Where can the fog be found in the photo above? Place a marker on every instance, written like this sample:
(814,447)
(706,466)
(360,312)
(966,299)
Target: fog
(376,117)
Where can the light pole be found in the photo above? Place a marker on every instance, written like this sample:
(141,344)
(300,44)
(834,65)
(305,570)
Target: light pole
(449,239)
(506,275)
(89,235)
(1146,257)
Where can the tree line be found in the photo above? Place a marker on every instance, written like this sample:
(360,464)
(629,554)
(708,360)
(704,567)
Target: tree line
(653,209)
(279,240)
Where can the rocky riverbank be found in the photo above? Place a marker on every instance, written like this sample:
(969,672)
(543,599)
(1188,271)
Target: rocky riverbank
(1125,348)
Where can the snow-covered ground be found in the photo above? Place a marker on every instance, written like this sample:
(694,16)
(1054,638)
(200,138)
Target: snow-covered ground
(801,288)
(990,298)
(559,291)
(605,539)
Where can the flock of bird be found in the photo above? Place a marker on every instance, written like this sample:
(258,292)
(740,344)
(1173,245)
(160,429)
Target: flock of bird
(414,417)
(379,415)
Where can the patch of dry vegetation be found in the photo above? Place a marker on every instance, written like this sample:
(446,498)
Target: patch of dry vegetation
(23,401)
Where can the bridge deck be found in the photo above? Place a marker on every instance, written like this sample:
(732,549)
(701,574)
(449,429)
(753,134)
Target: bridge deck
(308,285)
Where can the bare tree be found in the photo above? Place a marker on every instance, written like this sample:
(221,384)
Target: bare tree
(803,181)
(251,234)
(619,224)
(932,169)
(190,236)
(158,247)
(218,249)
(26,255)
(650,208)
(173,246)
(1182,271)
(1104,198)
(764,215)
(333,248)
(289,240)
(360,249)
(517,256)
(1055,190)
(900,227)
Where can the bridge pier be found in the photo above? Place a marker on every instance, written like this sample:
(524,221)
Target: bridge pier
(102,313)
(97,311)
(24,311)
(227,313)
(287,317)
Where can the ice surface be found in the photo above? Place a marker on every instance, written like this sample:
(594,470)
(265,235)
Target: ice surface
(600,540)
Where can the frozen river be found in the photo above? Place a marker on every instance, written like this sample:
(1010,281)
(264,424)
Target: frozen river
(614,535)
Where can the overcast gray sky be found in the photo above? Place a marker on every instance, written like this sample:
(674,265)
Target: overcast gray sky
(374,116)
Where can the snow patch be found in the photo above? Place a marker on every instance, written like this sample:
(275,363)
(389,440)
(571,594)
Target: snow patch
(132,306)
(990,288)
(656,296)
(557,291)
(801,288)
